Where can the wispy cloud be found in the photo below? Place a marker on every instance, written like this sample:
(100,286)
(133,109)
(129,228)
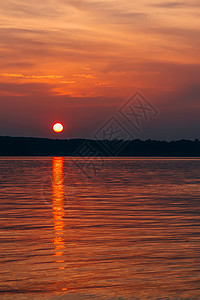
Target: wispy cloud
(68,82)
(103,83)
(31,76)
(88,76)
(170,4)
(85,68)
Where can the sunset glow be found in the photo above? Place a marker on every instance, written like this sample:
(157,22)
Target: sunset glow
(83,59)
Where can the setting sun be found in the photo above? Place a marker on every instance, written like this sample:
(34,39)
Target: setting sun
(58,127)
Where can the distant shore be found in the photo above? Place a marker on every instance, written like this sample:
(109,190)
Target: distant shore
(28,146)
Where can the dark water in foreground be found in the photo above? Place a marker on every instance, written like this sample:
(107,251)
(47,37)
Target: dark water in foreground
(131,231)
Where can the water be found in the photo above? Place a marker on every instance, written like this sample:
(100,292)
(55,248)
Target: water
(123,228)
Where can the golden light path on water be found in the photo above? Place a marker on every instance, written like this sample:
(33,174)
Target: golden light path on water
(58,209)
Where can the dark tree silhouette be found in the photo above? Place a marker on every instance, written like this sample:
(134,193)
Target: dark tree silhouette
(25,146)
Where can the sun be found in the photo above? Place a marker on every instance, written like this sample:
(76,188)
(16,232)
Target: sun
(58,127)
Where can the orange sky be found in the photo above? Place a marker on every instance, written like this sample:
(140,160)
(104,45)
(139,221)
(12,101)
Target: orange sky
(78,61)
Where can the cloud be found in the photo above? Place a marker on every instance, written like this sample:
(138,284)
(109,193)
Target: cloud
(68,82)
(60,46)
(16,89)
(32,76)
(35,9)
(103,83)
(170,4)
(176,4)
(17,65)
(88,76)
(85,68)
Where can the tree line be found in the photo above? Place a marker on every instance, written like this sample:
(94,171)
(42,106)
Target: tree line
(25,146)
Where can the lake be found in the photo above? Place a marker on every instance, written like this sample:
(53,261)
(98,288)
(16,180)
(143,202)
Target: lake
(106,228)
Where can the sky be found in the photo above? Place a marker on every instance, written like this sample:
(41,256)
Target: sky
(79,62)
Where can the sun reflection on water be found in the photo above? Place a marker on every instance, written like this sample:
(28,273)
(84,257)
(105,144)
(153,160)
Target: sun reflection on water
(58,208)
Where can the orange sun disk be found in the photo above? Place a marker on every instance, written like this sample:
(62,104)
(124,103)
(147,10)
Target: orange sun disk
(58,127)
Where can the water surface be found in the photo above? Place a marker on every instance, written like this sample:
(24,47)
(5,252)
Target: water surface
(114,228)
